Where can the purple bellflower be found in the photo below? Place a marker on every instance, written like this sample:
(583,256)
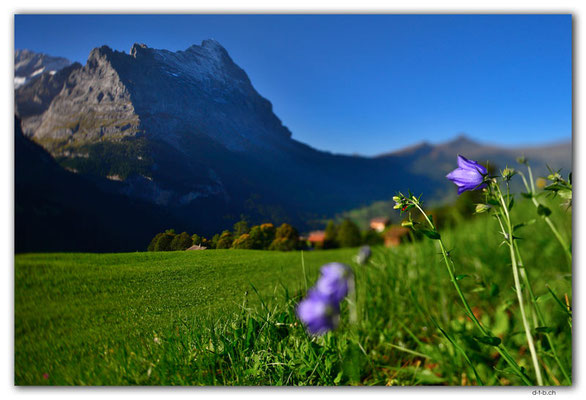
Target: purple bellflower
(363,255)
(318,313)
(334,281)
(468,176)
(320,310)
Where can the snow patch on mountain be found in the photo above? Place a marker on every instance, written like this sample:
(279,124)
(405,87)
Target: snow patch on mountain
(28,66)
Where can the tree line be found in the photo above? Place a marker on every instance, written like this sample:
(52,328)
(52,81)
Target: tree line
(347,234)
(260,237)
(267,237)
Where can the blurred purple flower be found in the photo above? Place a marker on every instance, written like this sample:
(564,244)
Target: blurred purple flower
(468,176)
(334,281)
(318,313)
(363,255)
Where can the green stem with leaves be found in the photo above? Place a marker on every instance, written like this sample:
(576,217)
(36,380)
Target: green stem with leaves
(540,316)
(505,214)
(449,266)
(531,192)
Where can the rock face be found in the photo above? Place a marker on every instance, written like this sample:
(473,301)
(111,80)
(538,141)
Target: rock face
(163,94)
(91,104)
(29,66)
(33,99)
(171,119)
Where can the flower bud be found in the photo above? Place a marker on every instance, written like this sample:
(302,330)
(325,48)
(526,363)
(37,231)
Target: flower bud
(480,208)
(554,177)
(522,160)
(508,173)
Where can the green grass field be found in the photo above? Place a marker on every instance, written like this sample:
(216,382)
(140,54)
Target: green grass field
(226,317)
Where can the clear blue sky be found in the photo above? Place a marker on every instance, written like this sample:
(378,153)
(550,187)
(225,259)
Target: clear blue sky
(366,84)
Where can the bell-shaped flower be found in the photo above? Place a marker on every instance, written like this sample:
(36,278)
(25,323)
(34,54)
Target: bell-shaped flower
(318,313)
(334,281)
(468,176)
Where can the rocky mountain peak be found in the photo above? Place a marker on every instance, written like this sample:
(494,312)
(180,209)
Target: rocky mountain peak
(212,44)
(167,95)
(138,49)
(29,66)
(100,52)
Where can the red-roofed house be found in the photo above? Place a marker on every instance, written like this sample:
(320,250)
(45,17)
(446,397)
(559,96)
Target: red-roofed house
(316,237)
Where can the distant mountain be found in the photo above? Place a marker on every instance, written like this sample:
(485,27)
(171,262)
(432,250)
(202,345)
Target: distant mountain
(29,66)
(435,161)
(186,133)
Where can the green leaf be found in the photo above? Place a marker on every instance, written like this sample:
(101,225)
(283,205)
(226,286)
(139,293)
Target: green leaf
(460,277)
(490,340)
(543,210)
(527,195)
(544,329)
(494,290)
(559,302)
(511,203)
(565,194)
(494,202)
(432,234)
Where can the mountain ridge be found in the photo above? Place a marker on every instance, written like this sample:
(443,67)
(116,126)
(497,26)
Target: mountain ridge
(188,133)
(29,65)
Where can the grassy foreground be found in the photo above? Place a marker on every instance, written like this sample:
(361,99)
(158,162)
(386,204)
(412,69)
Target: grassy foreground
(184,318)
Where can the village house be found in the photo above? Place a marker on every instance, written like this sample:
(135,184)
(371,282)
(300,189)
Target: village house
(394,235)
(316,238)
(196,247)
(379,223)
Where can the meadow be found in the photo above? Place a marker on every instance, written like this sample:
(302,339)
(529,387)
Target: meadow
(227,317)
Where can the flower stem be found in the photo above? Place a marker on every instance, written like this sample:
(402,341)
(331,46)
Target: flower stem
(501,347)
(539,314)
(510,240)
(556,233)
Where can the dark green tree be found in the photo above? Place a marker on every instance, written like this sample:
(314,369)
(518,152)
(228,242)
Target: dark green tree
(154,241)
(164,242)
(243,241)
(331,236)
(181,242)
(286,231)
(372,238)
(268,234)
(283,244)
(348,234)
(256,236)
(225,240)
(213,243)
(286,238)
(240,228)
